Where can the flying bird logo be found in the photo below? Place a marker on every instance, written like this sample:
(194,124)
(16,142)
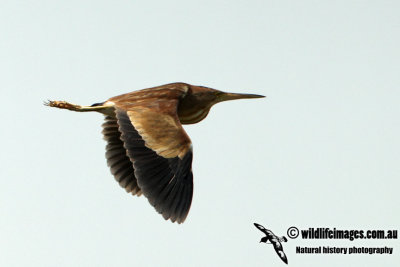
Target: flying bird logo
(274,240)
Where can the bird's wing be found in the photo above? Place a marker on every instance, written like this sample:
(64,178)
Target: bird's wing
(279,250)
(263,229)
(161,153)
(119,163)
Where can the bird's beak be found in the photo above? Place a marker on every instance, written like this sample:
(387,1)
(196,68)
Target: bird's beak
(232,96)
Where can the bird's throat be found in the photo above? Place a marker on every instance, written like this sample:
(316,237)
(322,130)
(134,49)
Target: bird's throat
(190,116)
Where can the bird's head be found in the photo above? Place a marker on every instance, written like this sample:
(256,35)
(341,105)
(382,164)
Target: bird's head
(264,239)
(213,96)
(196,104)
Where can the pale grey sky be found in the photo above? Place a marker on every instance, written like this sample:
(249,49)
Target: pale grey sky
(322,150)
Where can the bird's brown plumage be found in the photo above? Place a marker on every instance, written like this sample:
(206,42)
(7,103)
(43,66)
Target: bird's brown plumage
(148,151)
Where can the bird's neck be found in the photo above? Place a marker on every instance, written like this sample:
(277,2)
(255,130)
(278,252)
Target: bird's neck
(191,110)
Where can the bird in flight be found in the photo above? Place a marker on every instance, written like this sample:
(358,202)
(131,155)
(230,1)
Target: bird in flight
(147,150)
(274,240)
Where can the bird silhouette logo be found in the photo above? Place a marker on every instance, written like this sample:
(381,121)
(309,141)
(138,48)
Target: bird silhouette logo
(274,240)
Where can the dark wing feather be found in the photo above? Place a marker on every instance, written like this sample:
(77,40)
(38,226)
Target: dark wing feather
(167,182)
(117,159)
(261,228)
(279,250)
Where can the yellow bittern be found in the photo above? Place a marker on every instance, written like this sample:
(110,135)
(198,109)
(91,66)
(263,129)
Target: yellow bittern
(148,151)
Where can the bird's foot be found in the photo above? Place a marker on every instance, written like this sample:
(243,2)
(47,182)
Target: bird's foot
(62,105)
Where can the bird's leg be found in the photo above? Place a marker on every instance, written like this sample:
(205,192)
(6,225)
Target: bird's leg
(73,107)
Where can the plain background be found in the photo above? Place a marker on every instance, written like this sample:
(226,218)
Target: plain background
(322,150)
